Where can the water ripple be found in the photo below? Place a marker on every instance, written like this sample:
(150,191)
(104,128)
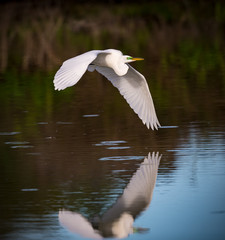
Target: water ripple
(110,143)
(121,158)
(8,133)
(91,115)
(118,147)
(17,143)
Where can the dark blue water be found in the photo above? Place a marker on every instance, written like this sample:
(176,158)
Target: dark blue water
(78,155)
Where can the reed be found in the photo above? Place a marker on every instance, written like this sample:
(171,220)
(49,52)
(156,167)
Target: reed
(41,37)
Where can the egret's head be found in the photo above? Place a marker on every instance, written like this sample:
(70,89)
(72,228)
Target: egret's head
(128,59)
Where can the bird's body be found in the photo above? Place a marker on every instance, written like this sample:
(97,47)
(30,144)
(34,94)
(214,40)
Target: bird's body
(114,66)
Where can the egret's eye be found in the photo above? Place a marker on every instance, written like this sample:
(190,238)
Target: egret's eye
(129,58)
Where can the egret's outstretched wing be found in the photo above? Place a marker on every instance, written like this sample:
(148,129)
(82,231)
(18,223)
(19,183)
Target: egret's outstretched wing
(73,69)
(138,193)
(76,223)
(134,88)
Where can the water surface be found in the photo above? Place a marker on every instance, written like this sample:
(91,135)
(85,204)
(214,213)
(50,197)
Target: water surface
(79,149)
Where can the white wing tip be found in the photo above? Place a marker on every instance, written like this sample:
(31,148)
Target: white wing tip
(58,88)
(154,126)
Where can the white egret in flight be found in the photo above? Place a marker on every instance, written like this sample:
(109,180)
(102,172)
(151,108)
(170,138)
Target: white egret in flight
(118,220)
(114,66)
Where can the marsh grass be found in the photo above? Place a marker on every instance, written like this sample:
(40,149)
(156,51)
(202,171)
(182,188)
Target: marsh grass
(40,37)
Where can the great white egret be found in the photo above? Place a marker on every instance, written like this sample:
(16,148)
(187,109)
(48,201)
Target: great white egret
(118,220)
(114,66)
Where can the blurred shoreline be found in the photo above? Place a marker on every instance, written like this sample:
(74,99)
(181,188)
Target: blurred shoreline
(40,36)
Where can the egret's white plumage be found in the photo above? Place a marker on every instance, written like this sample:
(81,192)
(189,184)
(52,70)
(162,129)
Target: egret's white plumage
(118,220)
(78,224)
(114,66)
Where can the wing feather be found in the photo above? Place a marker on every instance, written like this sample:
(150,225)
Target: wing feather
(76,223)
(134,88)
(73,69)
(138,193)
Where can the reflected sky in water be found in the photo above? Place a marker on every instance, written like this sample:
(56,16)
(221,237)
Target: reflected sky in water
(72,162)
(188,197)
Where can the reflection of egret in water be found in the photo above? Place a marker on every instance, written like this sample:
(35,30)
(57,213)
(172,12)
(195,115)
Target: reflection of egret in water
(118,220)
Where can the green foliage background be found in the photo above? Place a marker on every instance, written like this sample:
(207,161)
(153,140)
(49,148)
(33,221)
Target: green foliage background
(182,43)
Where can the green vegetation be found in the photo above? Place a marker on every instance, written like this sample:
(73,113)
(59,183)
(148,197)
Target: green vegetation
(40,37)
(182,43)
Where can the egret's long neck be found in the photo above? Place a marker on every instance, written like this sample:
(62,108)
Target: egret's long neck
(120,69)
(117,63)
(113,61)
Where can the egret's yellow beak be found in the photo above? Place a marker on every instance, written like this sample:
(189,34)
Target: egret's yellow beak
(137,59)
